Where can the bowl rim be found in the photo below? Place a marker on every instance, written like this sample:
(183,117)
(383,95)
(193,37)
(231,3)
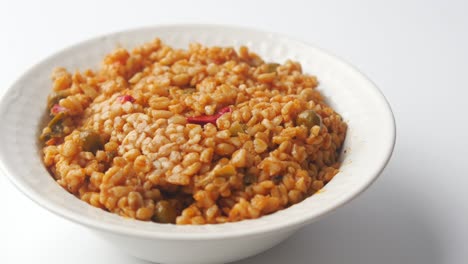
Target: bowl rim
(134,232)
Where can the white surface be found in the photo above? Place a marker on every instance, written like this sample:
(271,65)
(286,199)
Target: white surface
(417,212)
(369,144)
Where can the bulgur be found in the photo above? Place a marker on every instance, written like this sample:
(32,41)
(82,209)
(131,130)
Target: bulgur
(200,136)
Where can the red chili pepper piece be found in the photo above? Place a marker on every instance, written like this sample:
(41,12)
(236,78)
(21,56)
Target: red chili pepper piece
(126,98)
(58,109)
(224,110)
(202,120)
(54,141)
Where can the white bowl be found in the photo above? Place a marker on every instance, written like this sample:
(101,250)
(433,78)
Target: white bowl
(369,144)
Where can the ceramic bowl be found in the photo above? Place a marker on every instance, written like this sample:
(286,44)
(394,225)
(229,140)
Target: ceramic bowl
(369,144)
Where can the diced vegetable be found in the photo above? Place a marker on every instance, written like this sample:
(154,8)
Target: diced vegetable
(164,213)
(202,120)
(54,127)
(51,142)
(309,119)
(57,109)
(55,98)
(91,141)
(56,123)
(126,98)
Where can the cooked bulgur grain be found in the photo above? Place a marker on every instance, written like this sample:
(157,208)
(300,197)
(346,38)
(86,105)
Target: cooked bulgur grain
(197,136)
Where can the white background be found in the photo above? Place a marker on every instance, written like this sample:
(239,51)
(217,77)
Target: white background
(416,52)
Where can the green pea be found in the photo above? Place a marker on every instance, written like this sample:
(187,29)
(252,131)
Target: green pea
(309,119)
(164,213)
(91,141)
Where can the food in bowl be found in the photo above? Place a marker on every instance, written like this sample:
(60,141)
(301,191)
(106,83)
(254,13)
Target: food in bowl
(200,136)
